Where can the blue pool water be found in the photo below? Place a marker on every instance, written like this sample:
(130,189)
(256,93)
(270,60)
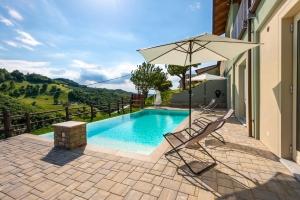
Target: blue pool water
(139,132)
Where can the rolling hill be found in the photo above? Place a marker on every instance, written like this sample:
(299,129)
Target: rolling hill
(38,93)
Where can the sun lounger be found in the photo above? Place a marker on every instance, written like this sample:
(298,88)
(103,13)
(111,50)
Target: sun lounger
(185,139)
(202,122)
(209,107)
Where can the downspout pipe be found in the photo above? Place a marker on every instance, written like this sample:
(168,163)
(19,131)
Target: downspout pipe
(249,28)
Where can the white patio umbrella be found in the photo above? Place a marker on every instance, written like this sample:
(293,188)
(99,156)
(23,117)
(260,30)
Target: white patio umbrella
(207,77)
(194,50)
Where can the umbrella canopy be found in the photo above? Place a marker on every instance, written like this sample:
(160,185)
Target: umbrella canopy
(195,50)
(202,48)
(207,77)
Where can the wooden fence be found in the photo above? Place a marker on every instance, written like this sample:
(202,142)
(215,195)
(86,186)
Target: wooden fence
(24,122)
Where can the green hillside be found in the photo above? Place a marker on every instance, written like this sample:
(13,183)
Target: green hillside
(40,93)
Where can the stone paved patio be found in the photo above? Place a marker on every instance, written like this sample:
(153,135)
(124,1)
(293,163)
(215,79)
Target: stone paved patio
(32,169)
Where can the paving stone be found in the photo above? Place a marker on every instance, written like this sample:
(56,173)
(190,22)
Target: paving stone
(114,197)
(156,190)
(99,195)
(167,194)
(119,189)
(148,197)
(133,195)
(187,188)
(85,186)
(135,175)
(66,196)
(105,184)
(143,187)
(88,194)
(120,176)
(171,184)
(147,177)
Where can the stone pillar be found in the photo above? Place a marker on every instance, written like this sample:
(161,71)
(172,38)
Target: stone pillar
(70,134)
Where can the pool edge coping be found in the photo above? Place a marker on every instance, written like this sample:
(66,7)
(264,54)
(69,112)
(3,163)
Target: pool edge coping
(153,157)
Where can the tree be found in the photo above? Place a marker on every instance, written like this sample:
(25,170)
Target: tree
(4,75)
(180,71)
(17,76)
(147,77)
(44,88)
(3,87)
(12,85)
(56,96)
(165,86)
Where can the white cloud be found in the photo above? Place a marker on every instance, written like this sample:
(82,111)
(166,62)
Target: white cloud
(6,21)
(27,39)
(127,86)
(25,66)
(82,64)
(195,6)
(14,14)
(109,72)
(11,43)
(27,47)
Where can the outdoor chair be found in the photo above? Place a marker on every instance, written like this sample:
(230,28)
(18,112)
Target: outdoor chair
(202,122)
(209,107)
(185,139)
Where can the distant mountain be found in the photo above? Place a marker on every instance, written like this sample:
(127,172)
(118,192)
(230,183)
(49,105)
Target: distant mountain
(43,93)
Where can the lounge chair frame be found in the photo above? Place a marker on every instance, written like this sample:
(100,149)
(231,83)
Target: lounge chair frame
(183,144)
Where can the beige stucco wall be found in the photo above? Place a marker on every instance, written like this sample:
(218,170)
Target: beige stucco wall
(276,77)
(272,74)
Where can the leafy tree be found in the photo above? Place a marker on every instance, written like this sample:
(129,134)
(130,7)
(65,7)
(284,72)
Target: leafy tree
(22,90)
(180,71)
(12,85)
(56,96)
(44,88)
(3,87)
(15,93)
(4,75)
(147,77)
(165,86)
(17,76)
(37,78)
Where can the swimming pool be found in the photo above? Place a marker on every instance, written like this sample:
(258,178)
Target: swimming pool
(139,132)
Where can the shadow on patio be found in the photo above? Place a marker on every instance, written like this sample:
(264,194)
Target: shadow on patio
(61,157)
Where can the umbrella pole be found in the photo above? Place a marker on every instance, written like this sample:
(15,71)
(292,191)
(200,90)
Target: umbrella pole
(190,89)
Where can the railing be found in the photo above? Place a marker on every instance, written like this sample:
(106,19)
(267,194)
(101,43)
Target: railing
(12,124)
(241,20)
(247,8)
(253,6)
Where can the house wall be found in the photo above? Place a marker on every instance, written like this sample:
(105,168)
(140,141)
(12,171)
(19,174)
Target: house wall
(272,75)
(276,75)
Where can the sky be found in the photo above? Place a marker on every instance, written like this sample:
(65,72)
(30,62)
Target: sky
(93,40)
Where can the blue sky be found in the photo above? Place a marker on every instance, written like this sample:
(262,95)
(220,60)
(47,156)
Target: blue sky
(93,40)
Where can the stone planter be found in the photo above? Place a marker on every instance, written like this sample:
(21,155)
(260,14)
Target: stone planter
(70,134)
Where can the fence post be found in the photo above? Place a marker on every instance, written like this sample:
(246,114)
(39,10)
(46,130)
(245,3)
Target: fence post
(130,105)
(67,113)
(141,103)
(122,101)
(109,110)
(118,106)
(28,122)
(92,112)
(7,123)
